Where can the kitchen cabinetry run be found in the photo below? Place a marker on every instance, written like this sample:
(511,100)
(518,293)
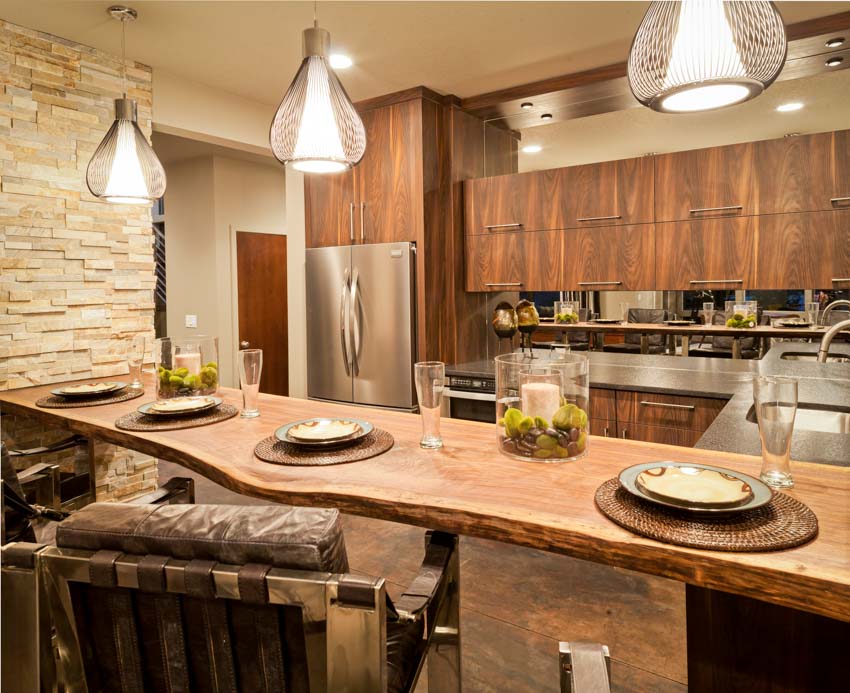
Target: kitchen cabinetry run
(651,417)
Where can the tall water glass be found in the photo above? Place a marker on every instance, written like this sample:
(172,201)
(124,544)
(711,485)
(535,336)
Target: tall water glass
(813,311)
(775,401)
(708,312)
(250,370)
(430,378)
(135,357)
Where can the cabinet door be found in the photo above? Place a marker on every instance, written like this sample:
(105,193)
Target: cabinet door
(389,178)
(710,254)
(794,174)
(329,209)
(803,251)
(495,262)
(610,193)
(682,437)
(496,203)
(544,268)
(705,183)
(606,428)
(610,258)
(840,192)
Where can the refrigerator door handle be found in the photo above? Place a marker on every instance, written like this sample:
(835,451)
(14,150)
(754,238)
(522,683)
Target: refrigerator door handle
(344,323)
(355,330)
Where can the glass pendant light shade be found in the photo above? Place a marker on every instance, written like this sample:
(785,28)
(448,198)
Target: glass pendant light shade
(124,168)
(698,55)
(316,127)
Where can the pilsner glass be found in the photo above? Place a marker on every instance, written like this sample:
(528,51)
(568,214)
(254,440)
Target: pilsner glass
(430,377)
(250,370)
(708,312)
(135,358)
(813,311)
(775,402)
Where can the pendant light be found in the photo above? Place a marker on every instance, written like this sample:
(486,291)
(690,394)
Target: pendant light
(316,128)
(698,55)
(124,168)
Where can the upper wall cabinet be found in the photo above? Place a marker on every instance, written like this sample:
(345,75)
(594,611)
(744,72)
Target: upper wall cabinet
(840,192)
(610,193)
(329,209)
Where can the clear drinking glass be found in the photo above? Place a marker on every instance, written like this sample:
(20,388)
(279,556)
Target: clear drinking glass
(624,312)
(135,357)
(708,312)
(250,370)
(775,401)
(813,312)
(430,378)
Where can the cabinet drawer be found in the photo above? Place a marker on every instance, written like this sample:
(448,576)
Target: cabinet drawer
(669,435)
(653,409)
(603,404)
(607,428)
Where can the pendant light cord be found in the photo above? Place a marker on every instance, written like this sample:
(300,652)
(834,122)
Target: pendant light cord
(315,13)
(124,56)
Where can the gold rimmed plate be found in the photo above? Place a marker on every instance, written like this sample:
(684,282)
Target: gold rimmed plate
(180,406)
(324,432)
(89,389)
(698,488)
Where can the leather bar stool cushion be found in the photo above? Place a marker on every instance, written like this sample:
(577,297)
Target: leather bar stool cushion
(280,536)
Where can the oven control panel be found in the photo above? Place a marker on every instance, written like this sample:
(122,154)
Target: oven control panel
(465,384)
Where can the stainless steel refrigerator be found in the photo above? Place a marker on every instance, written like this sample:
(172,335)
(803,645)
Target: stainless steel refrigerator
(361,326)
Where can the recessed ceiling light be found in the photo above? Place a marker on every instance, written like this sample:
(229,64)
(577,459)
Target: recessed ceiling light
(532,149)
(546,116)
(788,107)
(835,42)
(833,62)
(526,105)
(339,61)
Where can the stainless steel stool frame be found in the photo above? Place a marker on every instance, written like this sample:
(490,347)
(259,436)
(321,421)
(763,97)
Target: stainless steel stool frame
(585,667)
(346,641)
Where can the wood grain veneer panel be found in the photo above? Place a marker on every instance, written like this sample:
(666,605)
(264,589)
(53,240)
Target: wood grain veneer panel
(630,409)
(623,254)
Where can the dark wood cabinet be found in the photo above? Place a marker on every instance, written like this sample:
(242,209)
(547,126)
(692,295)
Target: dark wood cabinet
(603,403)
(609,193)
(668,435)
(840,191)
(543,260)
(610,258)
(496,262)
(499,203)
(803,251)
(705,183)
(661,409)
(708,254)
(329,209)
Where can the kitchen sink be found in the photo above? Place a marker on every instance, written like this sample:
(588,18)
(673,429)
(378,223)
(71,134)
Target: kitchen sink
(808,356)
(809,418)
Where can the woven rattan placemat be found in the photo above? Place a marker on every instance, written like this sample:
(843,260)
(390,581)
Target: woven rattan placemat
(277,452)
(137,421)
(57,402)
(781,524)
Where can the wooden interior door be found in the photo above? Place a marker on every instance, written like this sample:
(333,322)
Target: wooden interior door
(261,284)
(329,209)
(389,178)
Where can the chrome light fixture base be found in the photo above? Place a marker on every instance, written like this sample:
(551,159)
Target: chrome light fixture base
(701,55)
(316,128)
(122,13)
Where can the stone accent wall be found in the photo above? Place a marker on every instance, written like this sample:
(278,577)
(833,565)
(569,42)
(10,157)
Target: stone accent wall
(77,273)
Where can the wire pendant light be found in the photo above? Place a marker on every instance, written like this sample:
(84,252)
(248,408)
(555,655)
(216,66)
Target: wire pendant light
(698,55)
(124,167)
(316,127)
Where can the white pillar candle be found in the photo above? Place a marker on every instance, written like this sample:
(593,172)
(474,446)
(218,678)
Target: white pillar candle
(190,361)
(540,399)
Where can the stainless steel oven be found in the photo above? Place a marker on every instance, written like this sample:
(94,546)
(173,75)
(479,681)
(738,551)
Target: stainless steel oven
(472,398)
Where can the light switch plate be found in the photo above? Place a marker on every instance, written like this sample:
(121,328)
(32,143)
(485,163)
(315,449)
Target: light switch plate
(191,321)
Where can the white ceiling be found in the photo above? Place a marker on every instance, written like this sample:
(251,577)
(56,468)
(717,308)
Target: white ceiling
(253,48)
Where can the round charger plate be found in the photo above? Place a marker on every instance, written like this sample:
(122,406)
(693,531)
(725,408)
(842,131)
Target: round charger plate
(54,402)
(113,388)
(282,434)
(147,409)
(277,451)
(134,421)
(678,322)
(762,493)
(606,321)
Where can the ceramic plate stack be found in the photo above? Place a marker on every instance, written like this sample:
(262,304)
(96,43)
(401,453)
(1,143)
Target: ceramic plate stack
(88,390)
(180,406)
(324,433)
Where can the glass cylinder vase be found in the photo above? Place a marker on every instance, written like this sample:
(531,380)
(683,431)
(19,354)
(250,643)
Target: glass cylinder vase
(186,366)
(542,405)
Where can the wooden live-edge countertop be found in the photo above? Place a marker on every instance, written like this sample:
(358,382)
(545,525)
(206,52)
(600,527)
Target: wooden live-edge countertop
(467,487)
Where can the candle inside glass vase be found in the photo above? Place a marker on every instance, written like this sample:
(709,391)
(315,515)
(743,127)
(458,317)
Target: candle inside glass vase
(540,393)
(190,360)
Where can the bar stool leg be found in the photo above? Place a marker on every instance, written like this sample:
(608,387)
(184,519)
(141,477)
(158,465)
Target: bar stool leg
(686,344)
(644,343)
(736,347)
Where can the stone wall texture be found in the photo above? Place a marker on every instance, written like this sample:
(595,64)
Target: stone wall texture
(77,273)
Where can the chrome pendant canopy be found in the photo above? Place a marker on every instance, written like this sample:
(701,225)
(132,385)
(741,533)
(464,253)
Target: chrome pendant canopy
(698,55)
(316,127)
(124,168)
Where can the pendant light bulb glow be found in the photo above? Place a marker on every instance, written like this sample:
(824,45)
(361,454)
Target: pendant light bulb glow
(316,128)
(124,168)
(699,55)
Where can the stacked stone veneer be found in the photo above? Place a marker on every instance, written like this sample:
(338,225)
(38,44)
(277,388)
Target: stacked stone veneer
(77,273)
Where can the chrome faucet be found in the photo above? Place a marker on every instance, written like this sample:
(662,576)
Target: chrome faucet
(827,338)
(826,311)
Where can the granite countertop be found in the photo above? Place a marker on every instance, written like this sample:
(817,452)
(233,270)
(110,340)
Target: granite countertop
(822,385)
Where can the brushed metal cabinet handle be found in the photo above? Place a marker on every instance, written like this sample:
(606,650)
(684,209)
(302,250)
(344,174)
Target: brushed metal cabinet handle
(599,283)
(605,431)
(833,200)
(503,284)
(727,208)
(613,216)
(514,225)
(716,281)
(351,221)
(362,221)
(624,434)
(668,405)
(841,279)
